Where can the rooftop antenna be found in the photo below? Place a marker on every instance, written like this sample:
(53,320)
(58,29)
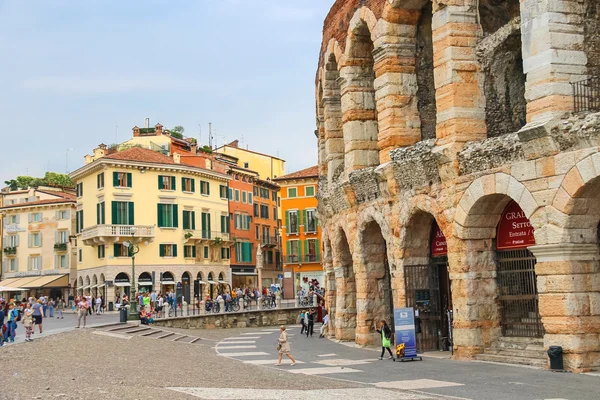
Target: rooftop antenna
(210,136)
(200,134)
(147,123)
(116,131)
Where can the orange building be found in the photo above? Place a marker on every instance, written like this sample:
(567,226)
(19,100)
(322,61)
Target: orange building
(300,232)
(266,229)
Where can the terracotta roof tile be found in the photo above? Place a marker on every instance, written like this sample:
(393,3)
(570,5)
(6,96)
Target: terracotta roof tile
(64,195)
(312,172)
(38,203)
(142,155)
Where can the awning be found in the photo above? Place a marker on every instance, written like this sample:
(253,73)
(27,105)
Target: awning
(244,273)
(223,283)
(11,289)
(49,281)
(144,283)
(9,282)
(212,282)
(202,282)
(168,283)
(122,284)
(19,282)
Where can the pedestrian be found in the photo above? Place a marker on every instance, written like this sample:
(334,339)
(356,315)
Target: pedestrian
(28,322)
(98,305)
(2,327)
(324,326)
(146,302)
(310,322)
(38,314)
(283,346)
(51,308)
(11,325)
(44,300)
(60,306)
(302,317)
(386,335)
(88,299)
(82,308)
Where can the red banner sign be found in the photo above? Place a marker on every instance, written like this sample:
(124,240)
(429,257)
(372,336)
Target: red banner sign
(514,230)
(439,247)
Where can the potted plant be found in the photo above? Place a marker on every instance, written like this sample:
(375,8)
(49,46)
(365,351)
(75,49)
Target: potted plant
(188,235)
(217,241)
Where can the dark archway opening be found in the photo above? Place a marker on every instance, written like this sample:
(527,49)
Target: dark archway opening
(426,102)
(185,286)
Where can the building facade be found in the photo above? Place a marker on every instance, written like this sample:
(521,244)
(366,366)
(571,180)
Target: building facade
(267,232)
(459,173)
(301,233)
(267,167)
(38,252)
(175,213)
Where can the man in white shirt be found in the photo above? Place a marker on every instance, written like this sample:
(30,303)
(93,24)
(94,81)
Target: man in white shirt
(324,326)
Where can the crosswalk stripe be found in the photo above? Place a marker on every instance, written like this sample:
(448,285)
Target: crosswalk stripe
(244,354)
(239,342)
(270,362)
(417,384)
(323,371)
(242,337)
(221,347)
(257,333)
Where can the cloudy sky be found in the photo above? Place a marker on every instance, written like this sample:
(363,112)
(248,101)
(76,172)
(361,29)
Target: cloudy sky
(76,73)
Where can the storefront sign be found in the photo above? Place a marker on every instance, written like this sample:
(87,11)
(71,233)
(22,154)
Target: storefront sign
(404,324)
(439,246)
(514,230)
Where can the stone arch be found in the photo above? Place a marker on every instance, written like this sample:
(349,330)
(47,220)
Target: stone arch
(80,283)
(102,279)
(345,300)
(94,279)
(358,104)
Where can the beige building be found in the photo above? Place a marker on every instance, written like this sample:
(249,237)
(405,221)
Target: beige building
(38,256)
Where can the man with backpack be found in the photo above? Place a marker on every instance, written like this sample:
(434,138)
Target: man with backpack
(11,325)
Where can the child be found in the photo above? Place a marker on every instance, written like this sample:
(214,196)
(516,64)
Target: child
(28,322)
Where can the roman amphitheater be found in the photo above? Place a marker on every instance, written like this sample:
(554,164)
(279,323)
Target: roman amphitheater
(460,173)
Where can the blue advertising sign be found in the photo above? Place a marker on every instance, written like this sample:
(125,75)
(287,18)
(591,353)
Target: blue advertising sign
(404,324)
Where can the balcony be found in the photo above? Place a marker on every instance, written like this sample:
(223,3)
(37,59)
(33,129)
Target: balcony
(102,234)
(312,258)
(305,259)
(60,247)
(292,259)
(270,241)
(10,251)
(209,237)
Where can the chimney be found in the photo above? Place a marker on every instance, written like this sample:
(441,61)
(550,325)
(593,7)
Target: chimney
(177,158)
(235,143)
(136,131)
(159,129)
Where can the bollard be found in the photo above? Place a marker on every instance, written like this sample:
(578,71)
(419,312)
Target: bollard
(259,304)
(315,300)
(241,303)
(297,301)
(202,307)
(222,306)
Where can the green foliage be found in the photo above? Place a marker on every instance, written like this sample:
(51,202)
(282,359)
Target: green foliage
(205,149)
(177,131)
(59,180)
(50,179)
(145,131)
(12,184)
(176,135)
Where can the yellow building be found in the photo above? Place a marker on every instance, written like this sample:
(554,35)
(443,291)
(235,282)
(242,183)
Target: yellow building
(268,167)
(38,257)
(300,231)
(175,213)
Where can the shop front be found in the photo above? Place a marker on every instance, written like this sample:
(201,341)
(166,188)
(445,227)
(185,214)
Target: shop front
(145,283)
(244,277)
(167,282)
(122,286)
(53,286)
(185,286)
(309,280)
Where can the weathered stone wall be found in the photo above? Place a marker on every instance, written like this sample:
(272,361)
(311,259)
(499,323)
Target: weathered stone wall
(425,79)
(592,36)
(247,319)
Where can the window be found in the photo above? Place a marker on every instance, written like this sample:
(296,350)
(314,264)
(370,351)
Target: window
(63,215)
(250,200)
(13,264)
(100,214)
(223,191)
(237,195)
(275,213)
(167,216)
(292,192)
(13,219)
(122,213)
(266,233)
(224,224)
(246,219)
(264,212)
(244,197)
(225,253)
(79,189)
(291,222)
(205,252)
(293,251)
(264,193)
(101,251)
(206,228)
(246,165)
(35,217)
(310,220)
(168,250)
(100,180)
(79,221)
(79,256)
(35,263)
(257,232)
(61,261)
(274,195)
(189,219)
(243,252)
(230,194)
(122,179)
(256,208)
(166,182)
(120,250)
(188,185)
(35,239)
(255,191)
(311,250)
(12,241)
(309,191)
(189,251)
(62,237)
(205,188)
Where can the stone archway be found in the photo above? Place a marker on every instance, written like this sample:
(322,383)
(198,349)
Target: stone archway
(374,299)
(345,284)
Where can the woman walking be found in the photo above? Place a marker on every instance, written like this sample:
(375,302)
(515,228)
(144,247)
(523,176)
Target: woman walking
(60,307)
(386,335)
(284,346)
(82,311)
(38,314)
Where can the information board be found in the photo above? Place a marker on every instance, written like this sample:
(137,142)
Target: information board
(404,320)
(514,230)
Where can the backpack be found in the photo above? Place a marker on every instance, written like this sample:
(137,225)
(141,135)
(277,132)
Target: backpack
(16,315)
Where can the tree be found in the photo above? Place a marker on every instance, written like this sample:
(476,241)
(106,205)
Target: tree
(177,131)
(12,184)
(59,180)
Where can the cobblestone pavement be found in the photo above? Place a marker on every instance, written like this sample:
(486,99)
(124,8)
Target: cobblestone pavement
(93,364)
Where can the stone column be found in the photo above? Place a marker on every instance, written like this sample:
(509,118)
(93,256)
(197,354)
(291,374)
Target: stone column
(568,283)
(345,308)
(474,291)
(330,299)
(359,117)
(553,56)
(334,135)
(458,77)
(202,307)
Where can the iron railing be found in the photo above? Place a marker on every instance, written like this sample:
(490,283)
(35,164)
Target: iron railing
(586,94)
(312,258)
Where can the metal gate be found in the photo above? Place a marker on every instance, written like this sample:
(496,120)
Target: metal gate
(518,294)
(423,293)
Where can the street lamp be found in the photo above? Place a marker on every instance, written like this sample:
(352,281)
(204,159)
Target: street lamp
(132,250)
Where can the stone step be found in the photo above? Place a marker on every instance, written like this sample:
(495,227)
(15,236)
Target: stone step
(517,346)
(152,333)
(534,362)
(516,339)
(537,354)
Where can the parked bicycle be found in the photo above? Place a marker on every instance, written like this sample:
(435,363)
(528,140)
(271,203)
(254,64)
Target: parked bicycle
(233,306)
(266,302)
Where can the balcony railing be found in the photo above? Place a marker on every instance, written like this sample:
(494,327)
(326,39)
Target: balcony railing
(312,258)
(270,241)
(306,258)
(102,233)
(10,251)
(586,94)
(213,236)
(292,259)
(60,247)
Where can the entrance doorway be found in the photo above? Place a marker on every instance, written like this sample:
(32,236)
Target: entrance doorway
(185,283)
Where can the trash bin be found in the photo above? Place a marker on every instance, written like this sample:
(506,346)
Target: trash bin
(123,314)
(555,353)
(111,306)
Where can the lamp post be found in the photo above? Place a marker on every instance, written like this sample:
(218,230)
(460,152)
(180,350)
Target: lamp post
(132,250)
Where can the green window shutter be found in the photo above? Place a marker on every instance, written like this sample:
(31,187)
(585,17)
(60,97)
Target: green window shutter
(303,218)
(193,186)
(186,221)
(117,250)
(203,224)
(131,213)
(81,221)
(160,184)
(316,220)
(306,247)
(317,248)
(115,179)
(288,248)
(175,216)
(183,184)
(129,179)
(162,250)
(173,184)
(208,188)
(161,223)
(194,251)
(174,250)
(208,223)
(103,208)
(193,219)
(98,214)
(287,221)
(114,212)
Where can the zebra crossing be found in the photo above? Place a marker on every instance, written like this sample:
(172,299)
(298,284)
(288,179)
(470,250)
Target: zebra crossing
(127,331)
